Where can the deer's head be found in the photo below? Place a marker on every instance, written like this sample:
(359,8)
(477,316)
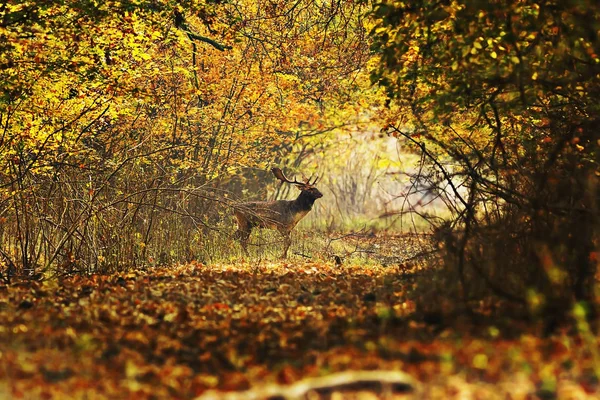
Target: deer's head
(307,188)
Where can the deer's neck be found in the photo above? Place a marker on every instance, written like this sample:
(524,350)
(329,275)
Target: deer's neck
(304,202)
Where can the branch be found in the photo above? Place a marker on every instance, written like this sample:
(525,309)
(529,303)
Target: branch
(382,382)
(436,162)
(215,44)
(182,24)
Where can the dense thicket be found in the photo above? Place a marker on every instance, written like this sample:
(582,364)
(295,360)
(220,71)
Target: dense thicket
(121,121)
(505,107)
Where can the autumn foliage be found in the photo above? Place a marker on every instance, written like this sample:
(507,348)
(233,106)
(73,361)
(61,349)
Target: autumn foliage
(455,250)
(125,124)
(503,102)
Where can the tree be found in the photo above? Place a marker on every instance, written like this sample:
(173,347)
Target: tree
(509,95)
(121,120)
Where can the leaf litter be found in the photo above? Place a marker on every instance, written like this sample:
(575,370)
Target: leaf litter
(262,330)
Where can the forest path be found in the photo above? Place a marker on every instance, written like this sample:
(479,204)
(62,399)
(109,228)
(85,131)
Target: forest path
(177,332)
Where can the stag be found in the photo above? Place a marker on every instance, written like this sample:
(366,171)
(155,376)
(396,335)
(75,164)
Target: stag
(282,215)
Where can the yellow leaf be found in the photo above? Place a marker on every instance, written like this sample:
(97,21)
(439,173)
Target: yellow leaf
(480,361)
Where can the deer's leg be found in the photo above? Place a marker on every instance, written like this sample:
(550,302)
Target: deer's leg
(287,241)
(243,232)
(244,235)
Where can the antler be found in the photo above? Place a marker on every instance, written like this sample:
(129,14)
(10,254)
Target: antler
(305,182)
(279,175)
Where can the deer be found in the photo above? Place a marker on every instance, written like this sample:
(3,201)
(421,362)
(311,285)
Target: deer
(281,215)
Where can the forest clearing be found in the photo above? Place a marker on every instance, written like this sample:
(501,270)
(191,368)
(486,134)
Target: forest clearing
(307,199)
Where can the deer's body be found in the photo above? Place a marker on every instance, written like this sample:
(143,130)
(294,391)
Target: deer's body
(282,215)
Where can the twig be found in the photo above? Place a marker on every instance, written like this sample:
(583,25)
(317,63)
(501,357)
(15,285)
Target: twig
(385,382)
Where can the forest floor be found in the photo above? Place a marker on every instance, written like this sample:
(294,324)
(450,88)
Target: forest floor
(266,328)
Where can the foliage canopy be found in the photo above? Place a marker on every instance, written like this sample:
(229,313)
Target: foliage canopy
(506,98)
(114,113)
